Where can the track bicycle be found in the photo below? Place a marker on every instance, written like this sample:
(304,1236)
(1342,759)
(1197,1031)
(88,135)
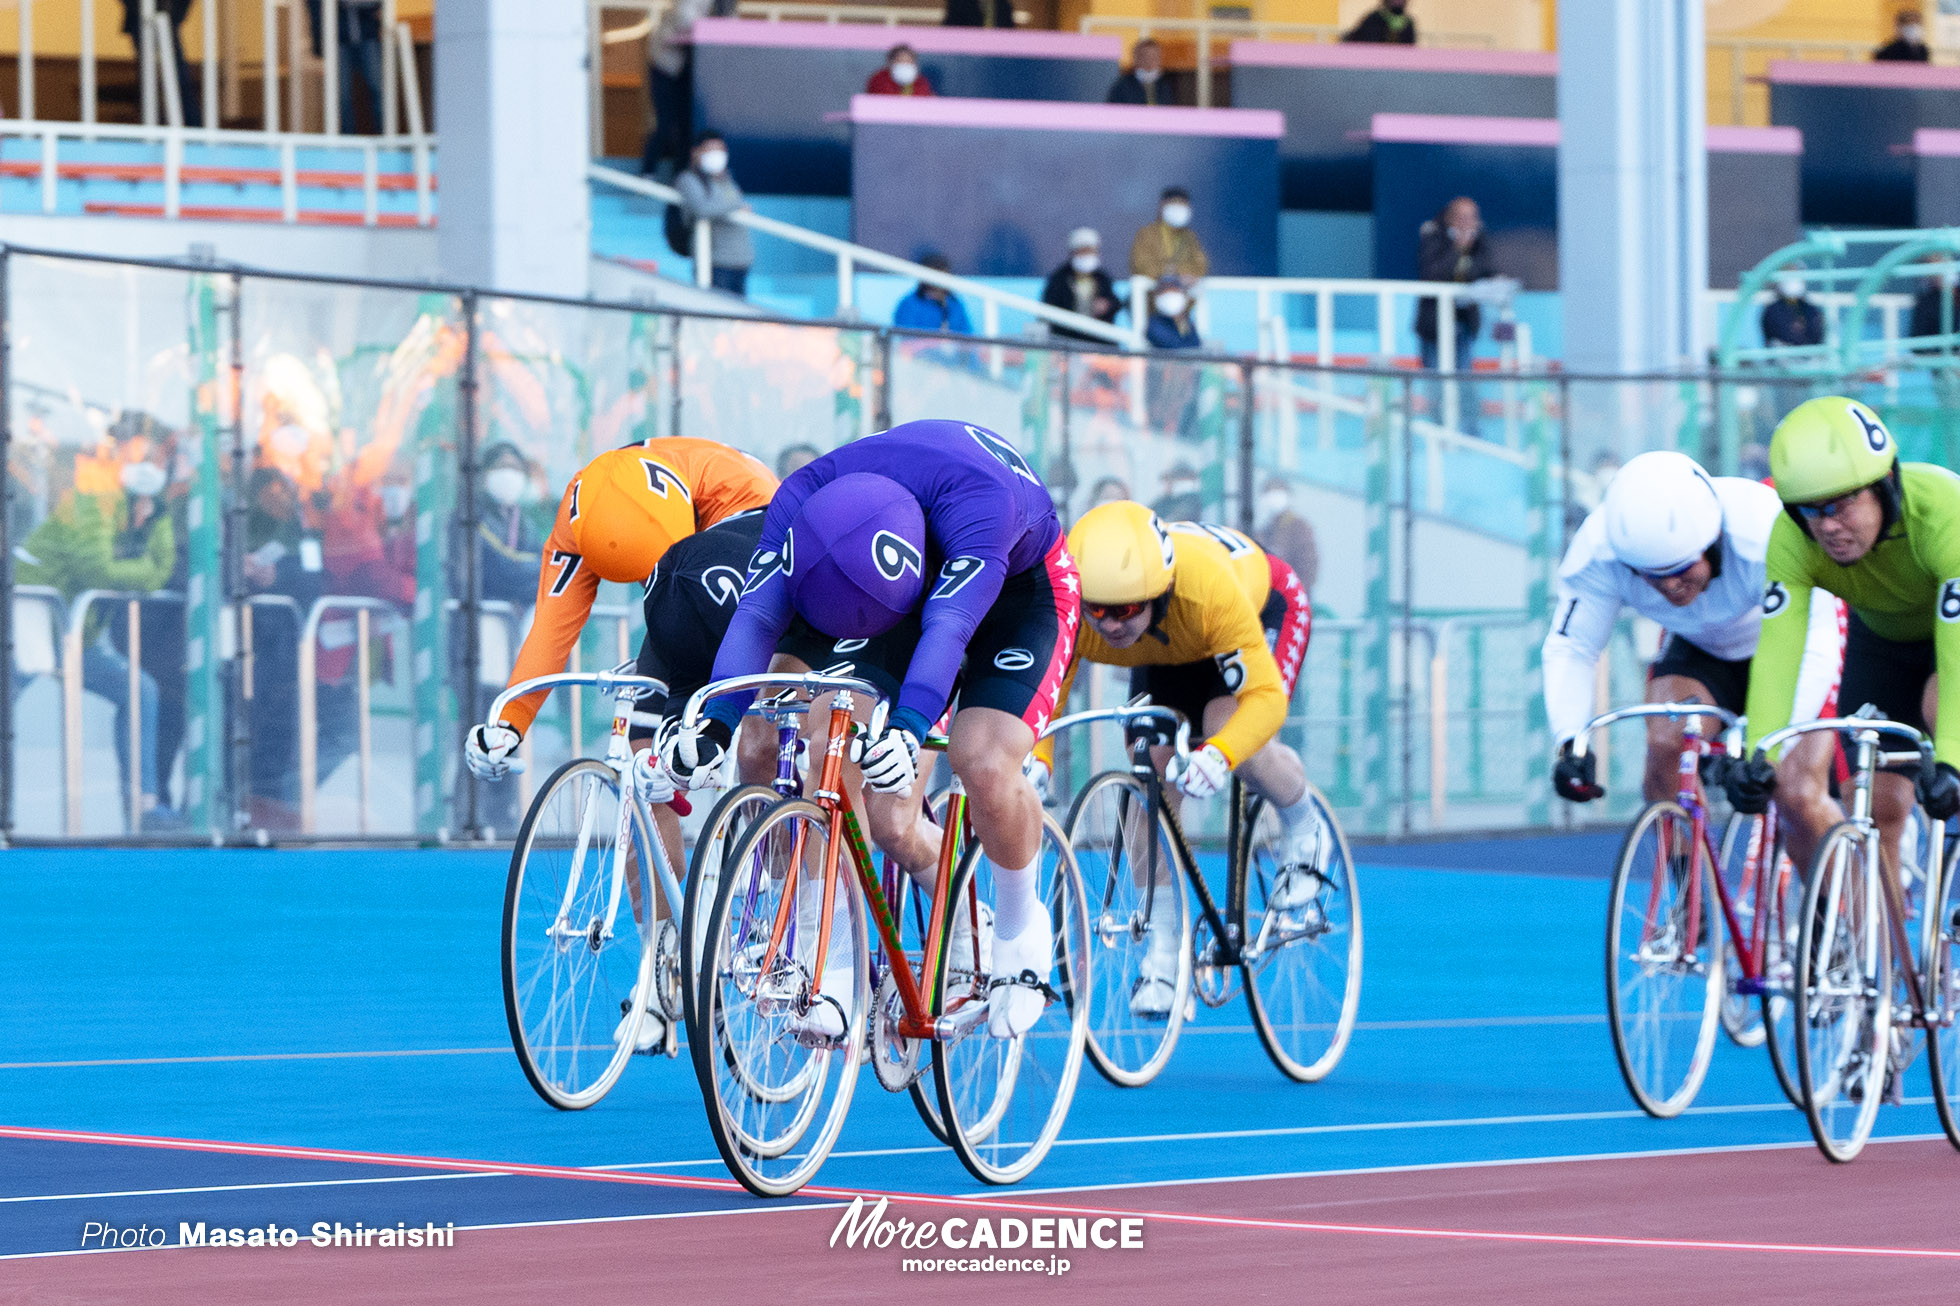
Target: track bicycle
(777,1092)
(586,944)
(1669,980)
(1301,965)
(1868,975)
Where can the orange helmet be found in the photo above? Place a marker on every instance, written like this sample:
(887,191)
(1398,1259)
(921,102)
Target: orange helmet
(626,509)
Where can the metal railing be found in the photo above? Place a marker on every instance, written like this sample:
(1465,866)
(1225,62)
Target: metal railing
(73,646)
(309,702)
(1745,58)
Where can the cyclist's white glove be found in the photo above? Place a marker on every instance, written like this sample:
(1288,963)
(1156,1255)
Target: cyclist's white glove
(487,750)
(1205,773)
(693,757)
(651,779)
(891,762)
(1039,775)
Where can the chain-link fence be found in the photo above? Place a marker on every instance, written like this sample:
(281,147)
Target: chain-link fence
(265,562)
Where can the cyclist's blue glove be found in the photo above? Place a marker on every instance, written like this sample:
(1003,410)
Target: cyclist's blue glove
(1939,791)
(1573,776)
(1751,784)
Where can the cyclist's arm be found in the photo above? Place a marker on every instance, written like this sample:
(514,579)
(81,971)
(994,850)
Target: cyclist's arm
(1583,616)
(566,589)
(1786,625)
(1941,556)
(1823,657)
(1253,677)
(961,594)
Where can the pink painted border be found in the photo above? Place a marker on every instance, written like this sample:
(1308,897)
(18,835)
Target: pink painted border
(926,40)
(1043,115)
(1877,76)
(1455,129)
(1400,58)
(1936,142)
(1755,140)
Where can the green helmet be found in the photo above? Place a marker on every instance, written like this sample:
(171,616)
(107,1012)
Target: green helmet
(1828,447)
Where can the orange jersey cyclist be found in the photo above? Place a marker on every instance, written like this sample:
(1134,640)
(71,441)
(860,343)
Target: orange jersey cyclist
(1216,628)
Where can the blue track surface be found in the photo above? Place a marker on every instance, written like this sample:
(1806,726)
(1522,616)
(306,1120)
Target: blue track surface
(1482,1038)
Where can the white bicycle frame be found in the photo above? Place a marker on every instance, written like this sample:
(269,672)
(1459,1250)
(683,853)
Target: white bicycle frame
(626,690)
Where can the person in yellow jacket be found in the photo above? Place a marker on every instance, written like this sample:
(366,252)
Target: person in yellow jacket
(1216,628)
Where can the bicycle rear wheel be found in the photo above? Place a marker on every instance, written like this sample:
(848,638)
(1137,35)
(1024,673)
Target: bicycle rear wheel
(776,1099)
(1663,961)
(1302,965)
(1843,994)
(1003,1100)
(576,967)
(1109,830)
(1765,1019)
(1943,1005)
(730,819)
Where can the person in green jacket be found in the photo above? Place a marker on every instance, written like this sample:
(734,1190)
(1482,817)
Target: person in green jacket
(114,541)
(1885,537)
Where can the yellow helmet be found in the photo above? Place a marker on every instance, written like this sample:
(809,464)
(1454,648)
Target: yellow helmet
(1122,552)
(1828,447)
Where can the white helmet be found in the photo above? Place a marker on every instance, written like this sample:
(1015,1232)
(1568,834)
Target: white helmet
(1661,512)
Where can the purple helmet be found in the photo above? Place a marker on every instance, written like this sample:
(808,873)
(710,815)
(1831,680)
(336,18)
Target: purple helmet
(855,556)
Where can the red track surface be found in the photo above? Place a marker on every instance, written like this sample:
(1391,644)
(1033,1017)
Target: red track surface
(1781,1225)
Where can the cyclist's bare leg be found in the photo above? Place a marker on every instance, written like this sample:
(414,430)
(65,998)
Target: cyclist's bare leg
(986,748)
(1662,776)
(1806,810)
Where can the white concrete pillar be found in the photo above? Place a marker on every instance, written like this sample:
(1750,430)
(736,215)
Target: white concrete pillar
(1633,183)
(511,125)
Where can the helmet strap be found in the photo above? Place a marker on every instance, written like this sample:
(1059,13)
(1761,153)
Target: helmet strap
(1712,555)
(1159,606)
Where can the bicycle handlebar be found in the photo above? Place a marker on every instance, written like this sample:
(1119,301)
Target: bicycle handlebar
(1135,712)
(812,683)
(1728,719)
(1922,747)
(614,681)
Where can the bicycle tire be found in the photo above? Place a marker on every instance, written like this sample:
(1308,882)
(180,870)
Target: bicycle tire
(1844,967)
(1943,1005)
(1656,984)
(726,823)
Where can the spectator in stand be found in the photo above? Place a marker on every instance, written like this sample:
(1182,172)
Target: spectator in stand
(1168,247)
(1936,308)
(708,192)
(1144,83)
(670,83)
(161,646)
(189,88)
(283,559)
(1791,318)
(1386,24)
(979,13)
(1183,498)
(1284,532)
(357,42)
(1081,286)
(1450,247)
(1110,489)
(900,75)
(118,538)
(1170,317)
(1908,44)
(933,308)
(795,458)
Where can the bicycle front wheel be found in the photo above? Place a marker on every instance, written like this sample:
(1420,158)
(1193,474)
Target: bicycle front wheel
(576,968)
(1765,1019)
(1663,961)
(1943,1005)
(726,824)
(1302,940)
(776,1090)
(1131,906)
(1843,994)
(1003,1100)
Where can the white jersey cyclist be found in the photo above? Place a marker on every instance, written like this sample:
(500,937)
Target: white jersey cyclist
(1649,530)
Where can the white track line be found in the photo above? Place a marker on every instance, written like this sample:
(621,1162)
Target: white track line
(252,1056)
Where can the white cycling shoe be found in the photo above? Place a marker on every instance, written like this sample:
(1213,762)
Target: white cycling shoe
(830,1013)
(657,1030)
(1013,1003)
(959,948)
(1156,983)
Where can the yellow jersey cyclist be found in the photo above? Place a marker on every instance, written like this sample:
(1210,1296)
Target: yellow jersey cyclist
(1216,628)
(1885,537)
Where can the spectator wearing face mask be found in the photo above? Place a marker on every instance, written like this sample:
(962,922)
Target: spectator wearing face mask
(507,540)
(1170,317)
(1790,318)
(1081,286)
(120,539)
(1386,24)
(1183,498)
(709,194)
(933,308)
(1283,532)
(1144,83)
(1167,247)
(1908,45)
(670,83)
(900,75)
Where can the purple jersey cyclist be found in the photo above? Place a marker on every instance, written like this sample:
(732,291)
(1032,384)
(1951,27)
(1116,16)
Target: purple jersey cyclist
(927,556)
